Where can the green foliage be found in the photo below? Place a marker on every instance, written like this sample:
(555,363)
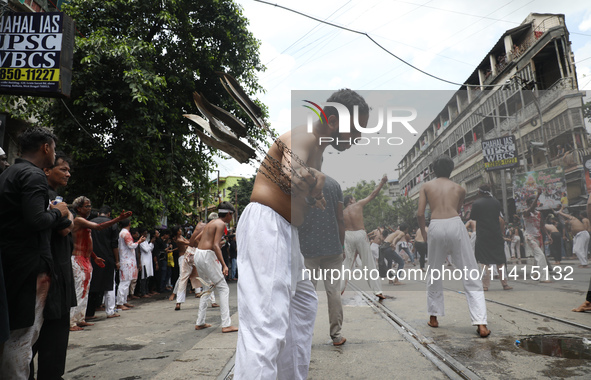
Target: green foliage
(406,210)
(587,111)
(242,190)
(378,212)
(135,70)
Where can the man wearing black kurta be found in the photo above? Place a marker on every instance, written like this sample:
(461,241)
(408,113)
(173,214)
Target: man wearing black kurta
(52,345)
(25,230)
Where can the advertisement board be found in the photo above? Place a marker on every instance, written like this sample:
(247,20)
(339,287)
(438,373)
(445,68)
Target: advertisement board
(500,153)
(36,54)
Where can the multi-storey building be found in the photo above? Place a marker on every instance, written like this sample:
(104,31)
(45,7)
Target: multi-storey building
(526,86)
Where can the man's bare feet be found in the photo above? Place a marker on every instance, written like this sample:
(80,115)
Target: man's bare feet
(381,296)
(76,328)
(586,306)
(171,297)
(482,331)
(201,327)
(507,287)
(90,318)
(433,321)
(133,297)
(177,307)
(583,266)
(215,305)
(340,343)
(113,315)
(128,305)
(84,324)
(229,329)
(146,296)
(122,307)
(546,282)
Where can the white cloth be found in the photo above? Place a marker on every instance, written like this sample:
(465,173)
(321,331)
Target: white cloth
(276,317)
(187,270)
(146,249)
(532,248)
(210,270)
(123,291)
(449,237)
(516,246)
(356,241)
(110,298)
(17,352)
(82,270)
(127,260)
(580,246)
(375,251)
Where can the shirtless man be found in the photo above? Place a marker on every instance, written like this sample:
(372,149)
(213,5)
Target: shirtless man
(356,238)
(208,258)
(279,342)
(448,235)
(555,238)
(81,258)
(421,247)
(581,236)
(399,237)
(586,306)
(187,269)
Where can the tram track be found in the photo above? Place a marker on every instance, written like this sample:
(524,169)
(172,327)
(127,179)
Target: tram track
(435,354)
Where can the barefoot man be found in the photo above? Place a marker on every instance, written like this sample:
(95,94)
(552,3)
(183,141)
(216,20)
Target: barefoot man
(81,258)
(448,236)
(356,238)
(212,268)
(276,303)
(581,236)
(586,306)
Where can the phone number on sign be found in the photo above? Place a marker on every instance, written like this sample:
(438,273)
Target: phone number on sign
(31,75)
(542,274)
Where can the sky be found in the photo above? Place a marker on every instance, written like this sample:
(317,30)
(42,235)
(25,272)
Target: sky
(446,38)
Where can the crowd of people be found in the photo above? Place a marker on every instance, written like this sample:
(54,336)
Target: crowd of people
(60,263)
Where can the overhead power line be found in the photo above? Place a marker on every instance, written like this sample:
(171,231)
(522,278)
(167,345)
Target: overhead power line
(376,43)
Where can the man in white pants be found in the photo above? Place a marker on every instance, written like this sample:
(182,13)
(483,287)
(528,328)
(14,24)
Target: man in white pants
(277,302)
(356,239)
(578,229)
(212,268)
(534,231)
(127,263)
(448,235)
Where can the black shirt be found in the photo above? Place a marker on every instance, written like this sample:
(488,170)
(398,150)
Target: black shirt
(319,234)
(25,230)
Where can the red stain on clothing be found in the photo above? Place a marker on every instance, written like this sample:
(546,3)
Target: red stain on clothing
(84,263)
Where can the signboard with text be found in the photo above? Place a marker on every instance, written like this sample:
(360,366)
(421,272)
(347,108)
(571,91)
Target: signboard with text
(500,153)
(36,54)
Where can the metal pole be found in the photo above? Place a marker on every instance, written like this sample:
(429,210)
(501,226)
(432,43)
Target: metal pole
(502,171)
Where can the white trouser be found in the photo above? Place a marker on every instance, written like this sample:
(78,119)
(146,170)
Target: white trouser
(123,291)
(516,247)
(110,299)
(356,241)
(449,237)
(276,316)
(17,352)
(82,270)
(210,270)
(187,271)
(532,248)
(580,246)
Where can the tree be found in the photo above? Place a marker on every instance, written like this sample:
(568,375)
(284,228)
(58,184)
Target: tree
(377,212)
(587,111)
(406,210)
(135,69)
(241,192)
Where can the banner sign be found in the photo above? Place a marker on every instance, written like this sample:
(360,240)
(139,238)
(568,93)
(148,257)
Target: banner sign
(587,165)
(551,180)
(500,153)
(36,54)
